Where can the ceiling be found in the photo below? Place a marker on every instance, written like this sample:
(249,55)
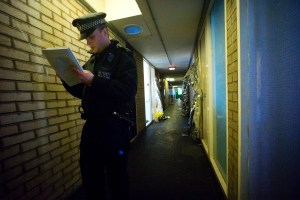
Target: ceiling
(170,30)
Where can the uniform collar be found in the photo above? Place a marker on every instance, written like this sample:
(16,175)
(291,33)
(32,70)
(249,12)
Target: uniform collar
(113,44)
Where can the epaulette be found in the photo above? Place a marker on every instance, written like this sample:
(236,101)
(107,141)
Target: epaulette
(125,49)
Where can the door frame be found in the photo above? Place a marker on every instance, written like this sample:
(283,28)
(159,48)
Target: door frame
(148,105)
(209,147)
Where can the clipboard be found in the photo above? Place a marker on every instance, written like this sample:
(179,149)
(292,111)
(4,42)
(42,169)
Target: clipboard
(61,59)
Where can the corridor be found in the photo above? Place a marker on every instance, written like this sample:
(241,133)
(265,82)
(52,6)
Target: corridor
(235,62)
(165,165)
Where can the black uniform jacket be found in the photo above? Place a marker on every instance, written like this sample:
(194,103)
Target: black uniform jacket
(113,89)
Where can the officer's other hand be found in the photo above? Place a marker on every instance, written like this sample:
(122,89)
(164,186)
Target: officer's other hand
(84,75)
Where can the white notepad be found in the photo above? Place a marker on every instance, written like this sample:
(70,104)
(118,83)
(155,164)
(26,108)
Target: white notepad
(61,59)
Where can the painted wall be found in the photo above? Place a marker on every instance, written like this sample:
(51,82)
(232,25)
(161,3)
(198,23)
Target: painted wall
(270,98)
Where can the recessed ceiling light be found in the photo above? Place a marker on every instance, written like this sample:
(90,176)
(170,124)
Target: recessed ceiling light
(133,29)
(115,8)
(170,79)
(172,68)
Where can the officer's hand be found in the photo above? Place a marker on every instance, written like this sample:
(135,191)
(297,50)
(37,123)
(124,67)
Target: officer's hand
(85,76)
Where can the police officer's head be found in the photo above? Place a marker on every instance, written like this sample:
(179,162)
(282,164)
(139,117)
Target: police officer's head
(93,28)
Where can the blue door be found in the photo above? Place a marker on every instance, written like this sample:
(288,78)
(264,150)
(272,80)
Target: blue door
(219,85)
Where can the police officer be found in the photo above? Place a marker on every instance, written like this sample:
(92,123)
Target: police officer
(108,89)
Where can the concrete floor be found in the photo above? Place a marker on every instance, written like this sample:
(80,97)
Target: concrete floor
(163,164)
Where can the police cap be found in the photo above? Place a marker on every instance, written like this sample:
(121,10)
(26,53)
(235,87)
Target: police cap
(88,23)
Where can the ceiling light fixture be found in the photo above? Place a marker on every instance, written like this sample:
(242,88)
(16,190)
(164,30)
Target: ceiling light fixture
(172,68)
(118,9)
(170,79)
(133,29)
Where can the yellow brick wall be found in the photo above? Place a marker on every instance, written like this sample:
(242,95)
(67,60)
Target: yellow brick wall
(232,84)
(40,127)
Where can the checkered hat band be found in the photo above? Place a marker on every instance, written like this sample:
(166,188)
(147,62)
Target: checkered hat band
(89,25)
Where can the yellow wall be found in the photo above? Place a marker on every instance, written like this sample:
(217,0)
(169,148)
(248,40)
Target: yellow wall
(232,104)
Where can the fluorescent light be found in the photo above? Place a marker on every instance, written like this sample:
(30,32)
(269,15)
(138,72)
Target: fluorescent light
(99,6)
(116,9)
(172,67)
(170,79)
(119,9)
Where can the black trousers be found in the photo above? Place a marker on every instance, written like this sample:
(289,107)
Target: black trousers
(103,166)
(104,174)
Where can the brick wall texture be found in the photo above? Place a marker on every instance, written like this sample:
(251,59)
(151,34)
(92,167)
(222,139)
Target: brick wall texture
(232,104)
(40,125)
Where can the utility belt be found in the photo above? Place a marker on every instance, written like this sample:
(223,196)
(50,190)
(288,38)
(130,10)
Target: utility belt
(126,118)
(129,121)
(122,117)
